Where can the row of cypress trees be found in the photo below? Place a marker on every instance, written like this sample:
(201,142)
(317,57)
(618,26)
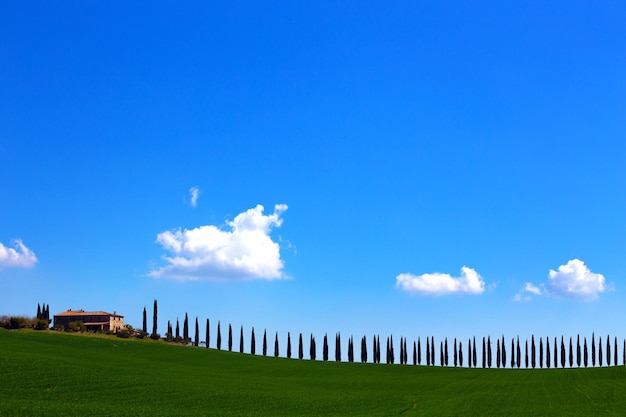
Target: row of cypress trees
(535,355)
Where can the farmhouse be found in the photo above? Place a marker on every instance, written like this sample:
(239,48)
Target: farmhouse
(93,320)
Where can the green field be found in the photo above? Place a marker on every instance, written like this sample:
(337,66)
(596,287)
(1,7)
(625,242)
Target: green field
(56,374)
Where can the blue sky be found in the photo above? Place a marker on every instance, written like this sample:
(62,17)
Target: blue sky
(413,168)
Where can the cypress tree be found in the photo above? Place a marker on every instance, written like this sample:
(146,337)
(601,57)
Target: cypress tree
(154,322)
(415,353)
(600,350)
(526,354)
(374,349)
(288,345)
(624,353)
(512,353)
(556,355)
(585,353)
(208,334)
(168,336)
(230,338)
(498,353)
(241,339)
(378,349)
(469,352)
(562,353)
(145,321)
(608,351)
(364,348)
(39,316)
(312,353)
(264,342)
(474,351)
(593,350)
(484,352)
(532,352)
(548,352)
(196,339)
(578,350)
(338,347)
(489,351)
(419,351)
(432,350)
(276,346)
(445,356)
(456,354)
(615,352)
(460,354)
(177,330)
(325,348)
(300,348)
(540,352)
(519,354)
(441,360)
(571,354)
(406,357)
(219,334)
(186,329)
(503,345)
(252,342)
(427,352)
(401,352)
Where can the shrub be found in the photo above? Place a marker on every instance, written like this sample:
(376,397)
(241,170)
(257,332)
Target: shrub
(76,326)
(123,333)
(18,322)
(42,324)
(155,336)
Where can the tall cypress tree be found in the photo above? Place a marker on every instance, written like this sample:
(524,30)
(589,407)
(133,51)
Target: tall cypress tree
(548,352)
(585,353)
(526,354)
(276,352)
(419,351)
(177,330)
(241,340)
(460,353)
(288,345)
(338,348)
(541,352)
(300,348)
(207,334)
(39,315)
(432,350)
(615,352)
(556,355)
(168,336)
(498,353)
(608,351)
(562,353)
(265,342)
(196,339)
(456,354)
(441,359)
(427,352)
(312,348)
(593,350)
(519,354)
(571,354)
(474,351)
(532,352)
(145,321)
(600,351)
(414,353)
(325,348)
(252,342)
(624,353)
(503,345)
(512,353)
(489,351)
(230,337)
(219,334)
(578,351)
(154,322)
(484,352)
(445,355)
(186,329)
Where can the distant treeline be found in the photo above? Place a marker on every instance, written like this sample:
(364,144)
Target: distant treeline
(543,352)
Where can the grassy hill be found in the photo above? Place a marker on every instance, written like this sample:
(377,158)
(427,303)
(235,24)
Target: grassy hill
(55,374)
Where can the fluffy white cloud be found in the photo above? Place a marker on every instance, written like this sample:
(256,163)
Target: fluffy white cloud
(194,193)
(439,284)
(529,288)
(245,251)
(575,280)
(17,256)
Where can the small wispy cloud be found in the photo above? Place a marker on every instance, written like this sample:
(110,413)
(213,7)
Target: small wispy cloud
(194,193)
(470,282)
(244,251)
(572,280)
(18,256)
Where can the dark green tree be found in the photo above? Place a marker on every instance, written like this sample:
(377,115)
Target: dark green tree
(456,354)
(532,352)
(338,347)
(145,321)
(219,334)
(556,355)
(288,345)
(196,339)
(512,353)
(571,354)
(562,353)
(578,356)
(624,353)
(600,351)
(432,350)
(469,353)
(39,315)
(241,339)
(526,354)
(414,353)
(300,348)
(186,329)
(207,336)
(460,354)
(264,342)
(608,351)
(154,334)
(615,352)
(312,353)
(177,330)
(419,351)
(593,350)
(427,352)
(325,348)
(474,351)
(519,354)
(230,337)
(441,357)
(489,351)
(585,353)
(540,352)
(168,335)
(484,352)
(503,345)
(276,352)
(445,354)
(548,352)
(252,342)
(498,353)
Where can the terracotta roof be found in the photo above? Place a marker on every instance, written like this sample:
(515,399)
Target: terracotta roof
(70,313)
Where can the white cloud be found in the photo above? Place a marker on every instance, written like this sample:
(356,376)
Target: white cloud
(439,284)
(17,256)
(245,251)
(575,280)
(524,294)
(194,193)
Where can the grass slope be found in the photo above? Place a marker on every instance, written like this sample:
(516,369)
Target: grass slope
(53,374)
